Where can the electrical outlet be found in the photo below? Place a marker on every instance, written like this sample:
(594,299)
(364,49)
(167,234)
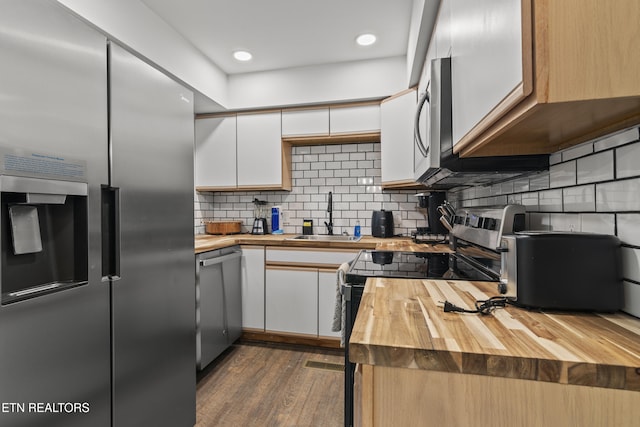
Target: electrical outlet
(286,219)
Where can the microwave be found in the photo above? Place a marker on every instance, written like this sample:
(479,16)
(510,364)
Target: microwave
(435,163)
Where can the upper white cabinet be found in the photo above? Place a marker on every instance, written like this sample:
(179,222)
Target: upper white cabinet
(487,60)
(242,152)
(397,115)
(534,77)
(215,152)
(354,119)
(260,151)
(305,122)
(333,124)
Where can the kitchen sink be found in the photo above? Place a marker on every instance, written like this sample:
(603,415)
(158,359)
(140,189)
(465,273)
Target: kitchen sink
(326,238)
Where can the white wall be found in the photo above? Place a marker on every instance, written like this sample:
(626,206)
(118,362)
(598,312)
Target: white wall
(338,82)
(133,25)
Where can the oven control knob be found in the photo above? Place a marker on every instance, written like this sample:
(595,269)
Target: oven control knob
(502,287)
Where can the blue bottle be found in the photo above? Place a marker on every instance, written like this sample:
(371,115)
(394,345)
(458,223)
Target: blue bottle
(275,219)
(356,230)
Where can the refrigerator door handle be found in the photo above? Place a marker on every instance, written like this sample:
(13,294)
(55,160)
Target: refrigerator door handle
(110,219)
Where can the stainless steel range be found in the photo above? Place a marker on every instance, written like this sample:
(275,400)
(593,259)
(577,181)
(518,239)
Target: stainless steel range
(474,240)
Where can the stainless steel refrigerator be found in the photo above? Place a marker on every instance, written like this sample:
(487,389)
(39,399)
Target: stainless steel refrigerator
(97,297)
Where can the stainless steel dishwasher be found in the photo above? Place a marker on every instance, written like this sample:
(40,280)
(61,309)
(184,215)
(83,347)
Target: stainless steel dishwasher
(218,302)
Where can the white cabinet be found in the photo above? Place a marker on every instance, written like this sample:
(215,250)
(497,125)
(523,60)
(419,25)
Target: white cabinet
(354,119)
(291,301)
(305,122)
(300,289)
(397,115)
(242,152)
(253,287)
(215,152)
(486,61)
(260,153)
(326,302)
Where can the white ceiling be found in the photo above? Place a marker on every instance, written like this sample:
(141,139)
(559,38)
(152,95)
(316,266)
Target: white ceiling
(288,33)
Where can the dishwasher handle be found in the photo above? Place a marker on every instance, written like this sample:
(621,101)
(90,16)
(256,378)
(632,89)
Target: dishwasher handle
(217,260)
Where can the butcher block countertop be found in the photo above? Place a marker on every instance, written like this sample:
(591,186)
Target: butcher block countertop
(207,242)
(401,324)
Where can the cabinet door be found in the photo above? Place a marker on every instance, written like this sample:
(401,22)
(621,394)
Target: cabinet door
(396,135)
(354,119)
(291,300)
(305,122)
(253,287)
(232,272)
(486,60)
(215,162)
(326,302)
(259,141)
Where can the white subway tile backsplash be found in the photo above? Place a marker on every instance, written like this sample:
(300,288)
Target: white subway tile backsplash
(564,222)
(629,228)
(577,151)
(539,221)
(631,264)
(628,161)
(617,139)
(562,175)
(595,168)
(550,200)
(597,223)
(539,182)
(631,298)
(581,198)
(555,158)
(618,196)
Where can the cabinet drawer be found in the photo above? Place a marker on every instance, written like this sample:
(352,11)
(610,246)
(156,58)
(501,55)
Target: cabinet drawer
(309,257)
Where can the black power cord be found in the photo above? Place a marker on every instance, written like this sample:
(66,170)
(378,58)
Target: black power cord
(482,306)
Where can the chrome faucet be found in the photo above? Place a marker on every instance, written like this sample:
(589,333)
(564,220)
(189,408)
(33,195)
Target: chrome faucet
(330,210)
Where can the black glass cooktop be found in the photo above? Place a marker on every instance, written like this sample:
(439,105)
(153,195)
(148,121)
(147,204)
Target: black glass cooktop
(412,265)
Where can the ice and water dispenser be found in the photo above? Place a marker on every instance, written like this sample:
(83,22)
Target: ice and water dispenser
(43,236)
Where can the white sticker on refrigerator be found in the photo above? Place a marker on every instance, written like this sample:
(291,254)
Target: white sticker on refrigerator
(28,163)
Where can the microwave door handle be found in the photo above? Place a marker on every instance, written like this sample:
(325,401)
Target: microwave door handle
(424,149)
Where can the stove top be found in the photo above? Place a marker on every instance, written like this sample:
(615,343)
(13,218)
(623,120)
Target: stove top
(412,265)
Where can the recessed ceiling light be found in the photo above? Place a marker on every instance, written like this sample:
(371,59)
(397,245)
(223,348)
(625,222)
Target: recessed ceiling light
(366,39)
(242,55)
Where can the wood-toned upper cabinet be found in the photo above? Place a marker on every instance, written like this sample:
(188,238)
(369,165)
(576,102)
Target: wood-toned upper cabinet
(583,60)
(354,119)
(215,152)
(397,115)
(305,122)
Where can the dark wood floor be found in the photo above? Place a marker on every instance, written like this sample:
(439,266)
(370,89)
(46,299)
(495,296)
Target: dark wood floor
(261,384)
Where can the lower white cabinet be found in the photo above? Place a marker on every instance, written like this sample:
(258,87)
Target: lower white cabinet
(291,300)
(326,302)
(253,287)
(300,289)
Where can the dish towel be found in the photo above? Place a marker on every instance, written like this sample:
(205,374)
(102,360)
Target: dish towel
(340,309)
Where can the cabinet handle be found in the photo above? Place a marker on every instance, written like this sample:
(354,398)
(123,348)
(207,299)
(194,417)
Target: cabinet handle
(218,260)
